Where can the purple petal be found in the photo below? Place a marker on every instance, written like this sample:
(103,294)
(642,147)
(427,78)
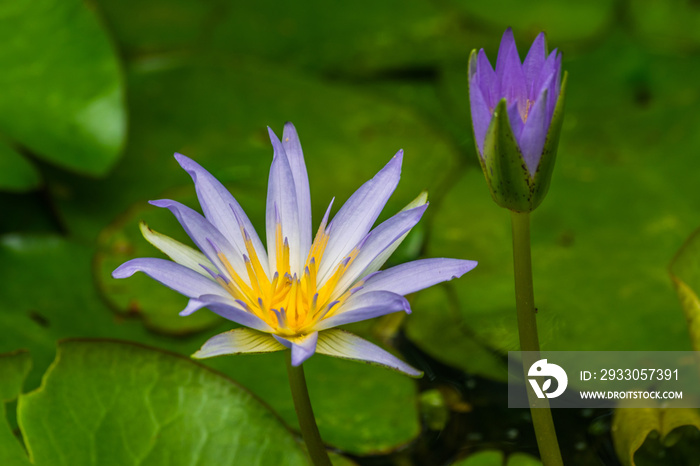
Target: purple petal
(341,344)
(292,147)
(487,80)
(481,115)
(221,209)
(227,308)
(206,236)
(365,306)
(238,341)
(282,206)
(302,347)
(515,118)
(378,241)
(358,214)
(175,276)
(417,275)
(534,134)
(532,66)
(510,73)
(507,43)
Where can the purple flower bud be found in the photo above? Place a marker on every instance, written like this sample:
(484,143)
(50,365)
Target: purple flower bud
(530,95)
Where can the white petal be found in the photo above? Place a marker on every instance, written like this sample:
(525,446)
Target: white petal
(282,207)
(341,344)
(237,341)
(292,147)
(180,253)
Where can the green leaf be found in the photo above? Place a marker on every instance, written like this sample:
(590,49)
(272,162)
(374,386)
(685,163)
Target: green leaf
(563,22)
(13,370)
(356,39)
(62,89)
(16,173)
(112,403)
(632,426)
(685,273)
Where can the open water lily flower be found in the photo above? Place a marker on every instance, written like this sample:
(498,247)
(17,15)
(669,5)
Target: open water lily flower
(296,292)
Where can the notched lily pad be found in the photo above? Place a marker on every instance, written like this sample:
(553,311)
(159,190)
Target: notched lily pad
(656,435)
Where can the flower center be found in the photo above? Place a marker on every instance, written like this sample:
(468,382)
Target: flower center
(290,304)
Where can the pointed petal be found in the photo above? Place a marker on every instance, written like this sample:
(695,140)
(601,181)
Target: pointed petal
(282,206)
(221,209)
(516,121)
(358,214)
(534,61)
(417,275)
(303,347)
(534,134)
(174,276)
(205,235)
(379,261)
(341,344)
(481,116)
(292,147)
(487,80)
(510,73)
(238,341)
(178,252)
(227,308)
(377,241)
(507,43)
(365,306)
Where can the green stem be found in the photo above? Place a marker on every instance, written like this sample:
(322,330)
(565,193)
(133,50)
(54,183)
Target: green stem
(527,330)
(305,414)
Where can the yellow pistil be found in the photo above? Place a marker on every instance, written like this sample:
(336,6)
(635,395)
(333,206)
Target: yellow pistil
(290,304)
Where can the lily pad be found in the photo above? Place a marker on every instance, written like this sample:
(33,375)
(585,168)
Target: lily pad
(13,370)
(563,22)
(17,174)
(685,273)
(62,88)
(111,403)
(632,427)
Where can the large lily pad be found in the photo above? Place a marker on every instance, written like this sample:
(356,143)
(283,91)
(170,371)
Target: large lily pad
(110,403)
(62,89)
(13,370)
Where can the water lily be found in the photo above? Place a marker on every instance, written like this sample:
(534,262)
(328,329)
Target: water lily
(295,293)
(517,111)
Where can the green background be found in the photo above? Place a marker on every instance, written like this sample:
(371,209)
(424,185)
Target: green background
(98,95)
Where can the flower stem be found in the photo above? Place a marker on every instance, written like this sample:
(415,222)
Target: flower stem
(305,414)
(527,330)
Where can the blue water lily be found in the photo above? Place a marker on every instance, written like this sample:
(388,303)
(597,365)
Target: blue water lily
(297,291)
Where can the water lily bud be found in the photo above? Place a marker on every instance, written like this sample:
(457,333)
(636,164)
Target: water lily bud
(517,111)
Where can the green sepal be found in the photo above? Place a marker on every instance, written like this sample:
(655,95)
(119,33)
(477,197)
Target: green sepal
(503,165)
(543,175)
